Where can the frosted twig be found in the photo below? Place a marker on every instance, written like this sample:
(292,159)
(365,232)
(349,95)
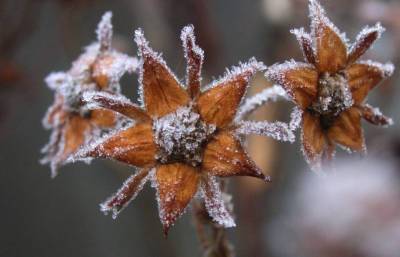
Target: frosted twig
(276,130)
(251,104)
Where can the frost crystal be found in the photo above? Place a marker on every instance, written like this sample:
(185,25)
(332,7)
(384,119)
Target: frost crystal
(180,136)
(250,67)
(295,118)
(267,95)
(216,203)
(105,31)
(276,130)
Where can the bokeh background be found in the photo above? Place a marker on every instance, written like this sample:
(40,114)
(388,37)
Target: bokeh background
(60,217)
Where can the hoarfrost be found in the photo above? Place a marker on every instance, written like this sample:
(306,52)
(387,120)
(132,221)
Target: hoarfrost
(306,44)
(216,203)
(145,51)
(386,69)
(295,118)
(105,31)
(276,130)
(127,193)
(251,104)
(366,32)
(245,70)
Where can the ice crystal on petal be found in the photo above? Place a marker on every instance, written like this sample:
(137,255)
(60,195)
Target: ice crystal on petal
(215,203)
(276,130)
(90,96)
(121,195)
(144,51)
(295,118)
(386,69)
(366,31)
(267,95)
(251,67)
(318,16)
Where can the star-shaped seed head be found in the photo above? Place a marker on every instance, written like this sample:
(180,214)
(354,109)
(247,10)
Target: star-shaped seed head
(99,68)
(184,137)
(331,86)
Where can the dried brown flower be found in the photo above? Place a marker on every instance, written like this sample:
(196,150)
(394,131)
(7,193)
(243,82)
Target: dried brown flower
(183,138)
(332,86)
(72,124)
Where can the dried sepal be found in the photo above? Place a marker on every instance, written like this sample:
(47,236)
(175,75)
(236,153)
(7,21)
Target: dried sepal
(161,91)
(218,105)
(299,80)
(251,104)
(105,31)
(374,116)
(128,192)
(194,57)
(134,145)
(176,185)
(364,76)
(306,44)
(277,130)
(215,203)
(117,103)
(364,41)
(330,46)
(346,130)
(103,118)
(51,150)
(224,156)
(313,140)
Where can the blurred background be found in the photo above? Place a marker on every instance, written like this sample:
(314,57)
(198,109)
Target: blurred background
(61,217)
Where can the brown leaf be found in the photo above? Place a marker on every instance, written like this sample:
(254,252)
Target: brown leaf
(346,130)
(118,104)
(374,116)
(194,59)
(331,51)
(299,80)
(362,79)
(176,185)
(219,104)
(103,118)
(224,156)
(362,44)
(55,113)
(162,92)
(134,146)
(129,190)
(313,138)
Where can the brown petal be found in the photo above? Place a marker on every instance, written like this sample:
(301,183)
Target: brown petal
(176,185)
(330,48)
(224,156)
(162,92)
(103,118)
(346,130)
(134,146)
(364,76)
(99,70)
(219,104)
(194,58)
(75,132)
(129,190)
(299,80)
(363,42)
(116,103)
(215,203)
(306,44)
(313,139)
(374,116)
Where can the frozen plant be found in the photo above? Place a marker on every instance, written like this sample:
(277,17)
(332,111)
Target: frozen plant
(184,137)
(99,68)
(331,86)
